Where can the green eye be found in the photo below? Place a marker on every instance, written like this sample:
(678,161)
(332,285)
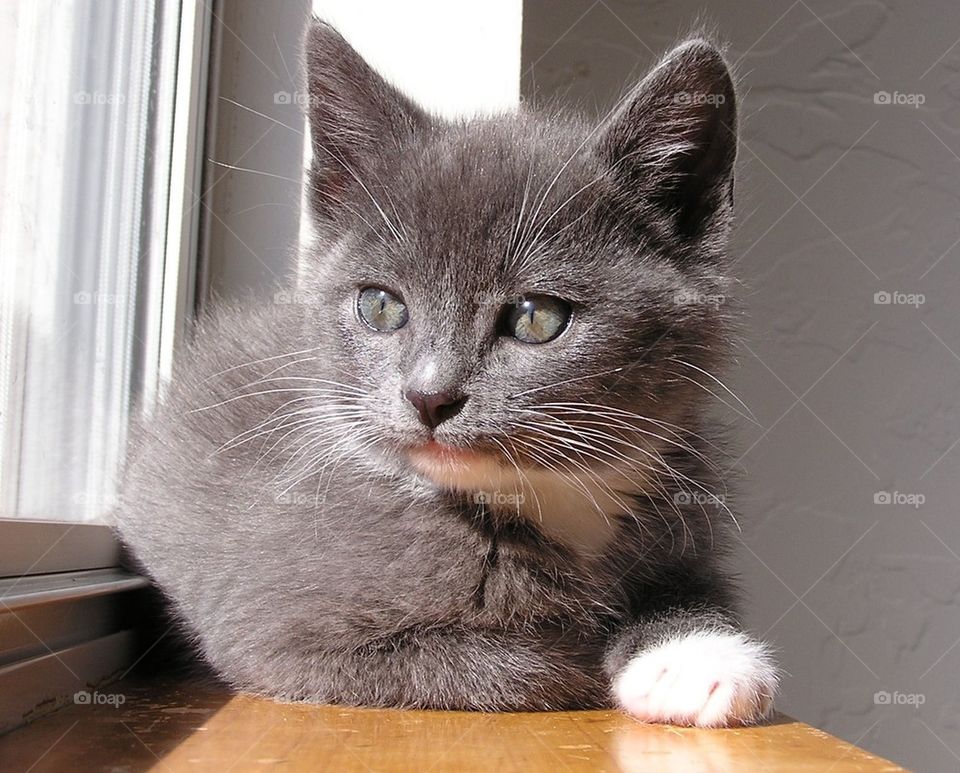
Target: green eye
(381,310)
(537,319)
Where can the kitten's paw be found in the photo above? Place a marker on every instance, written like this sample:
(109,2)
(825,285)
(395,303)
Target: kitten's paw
(707,679)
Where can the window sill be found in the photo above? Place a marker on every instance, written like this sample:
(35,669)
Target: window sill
(64,632)
(30,547)
(192,725)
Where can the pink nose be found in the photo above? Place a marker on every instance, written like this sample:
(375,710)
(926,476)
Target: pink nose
(434,408)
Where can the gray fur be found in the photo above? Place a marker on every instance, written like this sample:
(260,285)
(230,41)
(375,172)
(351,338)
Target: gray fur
(306,561)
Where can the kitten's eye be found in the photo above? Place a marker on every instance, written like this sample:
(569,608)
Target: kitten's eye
(381,310)
(537,319)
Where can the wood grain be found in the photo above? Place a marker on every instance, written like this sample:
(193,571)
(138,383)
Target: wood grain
(176,726)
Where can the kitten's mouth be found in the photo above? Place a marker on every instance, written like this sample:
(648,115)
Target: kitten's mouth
(433,452)
(455,467)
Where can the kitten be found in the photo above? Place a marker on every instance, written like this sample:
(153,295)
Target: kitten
(471,470)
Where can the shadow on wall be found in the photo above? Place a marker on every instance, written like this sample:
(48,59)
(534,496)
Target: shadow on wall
(847,248)
(255,148)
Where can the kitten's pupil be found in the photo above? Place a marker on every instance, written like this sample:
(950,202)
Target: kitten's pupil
(381,310)
(537,319)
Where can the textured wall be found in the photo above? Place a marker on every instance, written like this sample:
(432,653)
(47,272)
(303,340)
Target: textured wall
(840,198)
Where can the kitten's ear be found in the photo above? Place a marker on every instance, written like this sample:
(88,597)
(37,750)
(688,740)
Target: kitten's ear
(355,116)
(673,141)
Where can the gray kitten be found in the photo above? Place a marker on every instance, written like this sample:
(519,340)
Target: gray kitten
(470,470)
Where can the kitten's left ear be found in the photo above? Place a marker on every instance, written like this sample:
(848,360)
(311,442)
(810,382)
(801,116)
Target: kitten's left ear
(673,141)
(356,118)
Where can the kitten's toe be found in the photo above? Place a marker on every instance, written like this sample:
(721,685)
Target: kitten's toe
(707,679)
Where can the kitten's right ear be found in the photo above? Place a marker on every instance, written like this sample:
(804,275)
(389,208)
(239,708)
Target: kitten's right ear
(355,116)
(673,141)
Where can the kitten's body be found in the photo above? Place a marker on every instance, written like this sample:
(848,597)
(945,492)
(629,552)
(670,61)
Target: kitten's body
(322,545)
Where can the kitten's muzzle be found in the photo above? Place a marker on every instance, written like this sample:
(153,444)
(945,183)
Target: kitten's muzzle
(434,408)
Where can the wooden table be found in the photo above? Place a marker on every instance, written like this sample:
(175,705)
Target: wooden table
(179,725)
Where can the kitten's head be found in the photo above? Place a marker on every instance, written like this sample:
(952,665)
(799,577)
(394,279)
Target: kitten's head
(522,296)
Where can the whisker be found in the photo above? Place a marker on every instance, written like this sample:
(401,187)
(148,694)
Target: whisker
(589,438)
(569,476)
(532,244)
(310,426)
(566,381)
(366,190)
(257,362)
(720,384)
(674,429)
(275,416)
(600,418)
(253,171)
(573,446)
(523,476)
(262,115)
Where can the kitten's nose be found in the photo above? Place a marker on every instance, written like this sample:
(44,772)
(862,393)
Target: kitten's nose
(435,407)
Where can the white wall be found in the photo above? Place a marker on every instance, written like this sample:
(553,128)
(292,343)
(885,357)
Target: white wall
(453,58)
(880,384)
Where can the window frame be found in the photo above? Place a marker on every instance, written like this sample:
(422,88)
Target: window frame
(63,595)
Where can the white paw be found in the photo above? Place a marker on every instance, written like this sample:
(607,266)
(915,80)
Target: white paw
(707,679)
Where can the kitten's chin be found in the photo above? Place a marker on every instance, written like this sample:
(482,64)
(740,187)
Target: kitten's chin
(461,469)
(579,514)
